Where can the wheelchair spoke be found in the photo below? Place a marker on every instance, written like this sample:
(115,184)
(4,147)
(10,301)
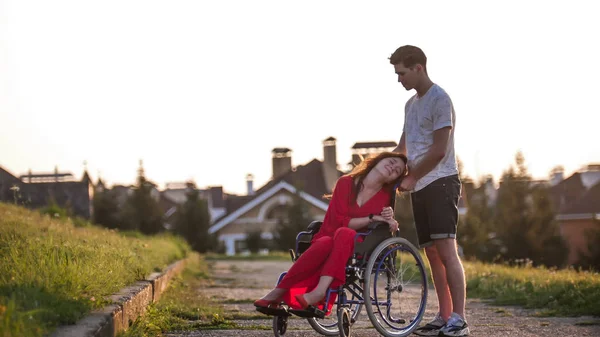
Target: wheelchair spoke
(396,284)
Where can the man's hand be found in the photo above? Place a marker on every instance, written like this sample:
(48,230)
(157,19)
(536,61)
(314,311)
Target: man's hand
(408,183)
(393,225)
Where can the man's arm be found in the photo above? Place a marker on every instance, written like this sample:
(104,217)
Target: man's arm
(436,153)
(432,158)
(401,148)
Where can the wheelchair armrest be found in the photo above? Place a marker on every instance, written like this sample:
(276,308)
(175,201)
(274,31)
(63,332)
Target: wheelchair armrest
(377,224)
(314,226)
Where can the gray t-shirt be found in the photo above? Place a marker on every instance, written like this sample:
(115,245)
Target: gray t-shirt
(423,116)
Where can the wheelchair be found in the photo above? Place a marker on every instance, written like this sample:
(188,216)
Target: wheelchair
(385,274)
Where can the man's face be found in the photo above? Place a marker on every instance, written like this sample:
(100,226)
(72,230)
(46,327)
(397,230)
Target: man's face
(407,76)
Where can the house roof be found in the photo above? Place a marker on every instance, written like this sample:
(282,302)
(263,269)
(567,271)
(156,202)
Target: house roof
(588,203)
(308,178)
(566,192)
(167,205)
(7,176)
(216,195)
(369,145)
(281,185)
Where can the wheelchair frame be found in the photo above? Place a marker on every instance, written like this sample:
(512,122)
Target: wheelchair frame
(376,241)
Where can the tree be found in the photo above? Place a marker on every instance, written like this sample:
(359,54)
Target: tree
(475,235)
(590,259)
(193,220)
(254,241)
(296,221)
(141,211)
(524,218)
(549,247)
(106,209)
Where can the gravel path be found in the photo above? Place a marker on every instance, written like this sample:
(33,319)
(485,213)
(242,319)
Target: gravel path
(248,280)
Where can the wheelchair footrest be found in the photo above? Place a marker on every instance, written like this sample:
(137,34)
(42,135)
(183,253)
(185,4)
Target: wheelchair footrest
(308,312)
(281,311)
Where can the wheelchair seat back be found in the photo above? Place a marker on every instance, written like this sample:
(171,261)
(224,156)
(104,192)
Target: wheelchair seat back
(379,231)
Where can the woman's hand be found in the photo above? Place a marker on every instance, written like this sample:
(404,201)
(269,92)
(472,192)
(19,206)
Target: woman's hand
(387,213)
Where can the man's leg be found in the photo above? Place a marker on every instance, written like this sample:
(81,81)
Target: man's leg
(440,282)
(455,273)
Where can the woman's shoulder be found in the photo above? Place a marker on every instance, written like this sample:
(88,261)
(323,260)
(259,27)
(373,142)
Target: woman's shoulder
(344,181)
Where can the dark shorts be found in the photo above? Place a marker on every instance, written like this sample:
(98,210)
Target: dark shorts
(435,209)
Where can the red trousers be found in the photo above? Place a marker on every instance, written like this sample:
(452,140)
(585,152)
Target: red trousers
(326,256)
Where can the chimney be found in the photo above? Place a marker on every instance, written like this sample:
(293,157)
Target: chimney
(250,184)
(330,167)
(556,176)
(282,161)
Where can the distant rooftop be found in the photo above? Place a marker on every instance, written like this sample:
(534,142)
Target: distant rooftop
(369,145)
(47,177)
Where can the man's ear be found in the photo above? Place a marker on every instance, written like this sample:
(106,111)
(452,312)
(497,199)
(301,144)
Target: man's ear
(419,67)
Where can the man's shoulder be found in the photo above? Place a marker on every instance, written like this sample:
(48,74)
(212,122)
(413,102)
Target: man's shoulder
(439,92)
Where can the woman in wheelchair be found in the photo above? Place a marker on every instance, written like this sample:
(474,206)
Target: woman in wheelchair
(359,198)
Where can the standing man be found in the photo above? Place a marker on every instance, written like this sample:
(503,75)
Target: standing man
(428,141)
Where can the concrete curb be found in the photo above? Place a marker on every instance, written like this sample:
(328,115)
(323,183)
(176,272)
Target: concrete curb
(129,303)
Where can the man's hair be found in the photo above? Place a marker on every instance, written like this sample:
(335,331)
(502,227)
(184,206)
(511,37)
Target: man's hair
(409,56)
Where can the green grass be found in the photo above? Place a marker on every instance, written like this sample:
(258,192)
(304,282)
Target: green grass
(557,292)
(271,256)
(54,271)
(182,307)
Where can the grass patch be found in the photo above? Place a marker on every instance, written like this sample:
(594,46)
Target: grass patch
(237,301)
(182,307)
(54,271)
(272,256)
(559,292)
(588,323)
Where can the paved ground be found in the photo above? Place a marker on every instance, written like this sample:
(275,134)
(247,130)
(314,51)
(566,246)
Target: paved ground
(248,280)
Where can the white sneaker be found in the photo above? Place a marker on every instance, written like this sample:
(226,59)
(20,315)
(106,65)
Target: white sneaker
(456,326)
(432,328)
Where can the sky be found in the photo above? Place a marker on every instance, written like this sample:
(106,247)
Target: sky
(204,90)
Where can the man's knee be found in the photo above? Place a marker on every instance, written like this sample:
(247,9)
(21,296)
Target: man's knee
(432,254)
(446,250)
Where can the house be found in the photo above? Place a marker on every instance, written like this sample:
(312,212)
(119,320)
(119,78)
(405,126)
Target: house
(39,189)
(362,150)
(175,194)
(576,202)
(261,209)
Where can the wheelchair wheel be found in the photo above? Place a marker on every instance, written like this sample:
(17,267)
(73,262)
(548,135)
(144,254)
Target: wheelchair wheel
(280,325)
(395,288)
(329,325)
(344,322)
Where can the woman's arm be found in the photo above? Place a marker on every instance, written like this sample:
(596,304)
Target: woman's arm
(358,223)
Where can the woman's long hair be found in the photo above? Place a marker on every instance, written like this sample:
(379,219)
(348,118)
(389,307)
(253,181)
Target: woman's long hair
(361,170)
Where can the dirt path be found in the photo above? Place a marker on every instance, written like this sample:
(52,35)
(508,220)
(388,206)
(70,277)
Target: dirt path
(244,281)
